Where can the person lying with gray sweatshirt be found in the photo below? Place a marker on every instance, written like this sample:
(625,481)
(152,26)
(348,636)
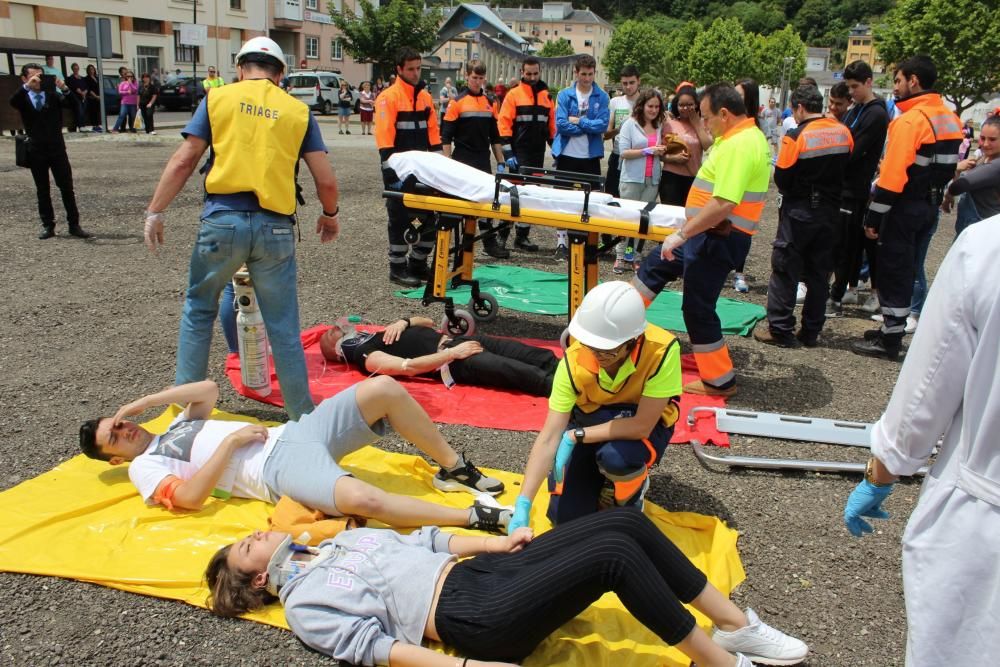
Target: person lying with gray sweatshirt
(371,596)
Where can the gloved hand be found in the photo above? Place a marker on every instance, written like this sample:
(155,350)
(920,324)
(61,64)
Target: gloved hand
(865,500)
(522,511)
(501,168)
(873,222)
(153,230)
(565,451)
(397,186)
(512,163)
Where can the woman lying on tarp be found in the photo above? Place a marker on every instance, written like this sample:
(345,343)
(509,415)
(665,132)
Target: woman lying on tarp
(371,596)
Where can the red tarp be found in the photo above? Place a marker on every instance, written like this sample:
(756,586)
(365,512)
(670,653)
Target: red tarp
(473,406)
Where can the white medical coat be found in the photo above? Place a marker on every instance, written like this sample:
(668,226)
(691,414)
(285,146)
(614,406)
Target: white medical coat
(950,384)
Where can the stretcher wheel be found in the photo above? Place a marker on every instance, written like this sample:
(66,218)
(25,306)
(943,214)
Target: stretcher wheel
(411,236)
(464,324)
(485,309)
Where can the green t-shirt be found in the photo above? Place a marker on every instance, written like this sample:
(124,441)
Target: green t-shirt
(739,162)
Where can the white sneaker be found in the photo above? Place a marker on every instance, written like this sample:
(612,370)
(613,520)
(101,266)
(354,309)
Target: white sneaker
(800,293)
(850,298)
(740,283)
(743,661)
(877,318)
(761,643)
(911,324)
(871,305)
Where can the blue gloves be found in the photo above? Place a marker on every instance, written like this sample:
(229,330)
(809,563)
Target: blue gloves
(501,168)
(522,509)
(397,186)
(565,451)
(512,163)
(865,500)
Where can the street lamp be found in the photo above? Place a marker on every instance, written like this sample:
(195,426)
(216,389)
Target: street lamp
(786,70)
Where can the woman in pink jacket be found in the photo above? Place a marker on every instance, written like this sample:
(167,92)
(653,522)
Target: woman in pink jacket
(128,91)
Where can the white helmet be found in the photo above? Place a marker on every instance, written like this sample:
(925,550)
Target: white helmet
(259,47)
(611,314)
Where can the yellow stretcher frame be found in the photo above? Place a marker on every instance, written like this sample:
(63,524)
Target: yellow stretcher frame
(584,232)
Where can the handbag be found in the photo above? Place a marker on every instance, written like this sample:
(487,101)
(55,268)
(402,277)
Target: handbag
(22,150)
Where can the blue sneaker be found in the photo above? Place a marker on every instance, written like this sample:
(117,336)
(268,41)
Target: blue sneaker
(740,284)
(629,254)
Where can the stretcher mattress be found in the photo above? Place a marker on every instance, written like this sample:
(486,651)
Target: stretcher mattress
(84,520)
(464,182)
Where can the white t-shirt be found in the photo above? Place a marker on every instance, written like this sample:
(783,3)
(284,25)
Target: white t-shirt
(578,146)
(188,444)
(620,108)
(788,124)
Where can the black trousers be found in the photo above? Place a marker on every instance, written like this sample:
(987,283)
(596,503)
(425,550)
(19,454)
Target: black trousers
(802,251)
(850,247)
(674,188)
(613,178)
(400,219)
(147,118)
(506,364)
(591,165)
(501,606)
(53,158)
(908,220)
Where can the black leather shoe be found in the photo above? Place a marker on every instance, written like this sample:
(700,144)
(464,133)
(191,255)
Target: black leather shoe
(77,231)
(493,248)
(876,348)
(808,338)
(402,277)
(46,233)
(521,242)
(873,334)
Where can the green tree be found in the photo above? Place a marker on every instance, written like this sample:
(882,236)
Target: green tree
(379,32)
(634,43)
(954,34)
(675,66)
(755,17)
(557,47)
(771,52)
(813,18)
(724,52)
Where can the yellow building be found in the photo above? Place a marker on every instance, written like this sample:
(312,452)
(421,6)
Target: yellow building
(861,46)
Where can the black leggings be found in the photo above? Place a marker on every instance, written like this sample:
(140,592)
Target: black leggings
(501,606)
(506,364)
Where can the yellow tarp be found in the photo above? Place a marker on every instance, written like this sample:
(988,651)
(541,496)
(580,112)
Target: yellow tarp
(84,520)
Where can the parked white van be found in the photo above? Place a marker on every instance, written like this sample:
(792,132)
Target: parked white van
(319,90)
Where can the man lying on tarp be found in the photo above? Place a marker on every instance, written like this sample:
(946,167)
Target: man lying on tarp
(198,457)
(413,347)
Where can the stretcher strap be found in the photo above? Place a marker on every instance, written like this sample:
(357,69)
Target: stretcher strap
(515,202)
(644,217)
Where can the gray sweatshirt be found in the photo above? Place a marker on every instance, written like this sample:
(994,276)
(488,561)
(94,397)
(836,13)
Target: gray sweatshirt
(983,185)
(375,590)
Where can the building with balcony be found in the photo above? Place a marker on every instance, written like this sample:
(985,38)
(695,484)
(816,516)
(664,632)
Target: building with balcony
(305,32)
(146,35)
(861,46)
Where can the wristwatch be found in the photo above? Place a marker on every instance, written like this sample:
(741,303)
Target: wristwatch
(870,474)
(579,434)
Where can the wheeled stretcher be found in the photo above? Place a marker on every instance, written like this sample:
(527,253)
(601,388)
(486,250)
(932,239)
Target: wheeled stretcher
(456,196)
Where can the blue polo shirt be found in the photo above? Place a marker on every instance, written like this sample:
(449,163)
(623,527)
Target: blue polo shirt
(200,127)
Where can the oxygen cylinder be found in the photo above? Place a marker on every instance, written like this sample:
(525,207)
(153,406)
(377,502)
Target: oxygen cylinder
(255,362)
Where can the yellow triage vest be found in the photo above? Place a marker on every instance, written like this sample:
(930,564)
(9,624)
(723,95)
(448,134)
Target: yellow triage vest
(257,131)
(647,357)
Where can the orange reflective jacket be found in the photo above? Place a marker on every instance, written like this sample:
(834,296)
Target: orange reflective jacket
(812,159)
(527,118)
(920,154)
(404,121)
(470,124)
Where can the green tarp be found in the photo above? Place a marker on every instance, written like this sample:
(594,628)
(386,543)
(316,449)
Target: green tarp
(545,293)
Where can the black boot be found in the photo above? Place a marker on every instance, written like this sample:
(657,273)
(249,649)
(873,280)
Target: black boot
(881,346)
(77,231)
(399,275)
(418,268)
(521,241)
(492,247)
(48,231)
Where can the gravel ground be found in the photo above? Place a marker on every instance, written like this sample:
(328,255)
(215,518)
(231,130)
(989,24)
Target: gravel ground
(90,325)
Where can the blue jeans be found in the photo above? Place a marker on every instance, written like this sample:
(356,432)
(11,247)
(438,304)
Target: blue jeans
(920,276)
(227,318)
(966,213)
(265,242)
(126,115)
